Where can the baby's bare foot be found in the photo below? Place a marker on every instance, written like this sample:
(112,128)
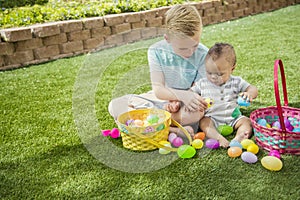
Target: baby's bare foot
(223,142)
(241,136)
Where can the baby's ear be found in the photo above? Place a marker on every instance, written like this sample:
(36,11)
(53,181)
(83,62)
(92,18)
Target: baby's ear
(233,67)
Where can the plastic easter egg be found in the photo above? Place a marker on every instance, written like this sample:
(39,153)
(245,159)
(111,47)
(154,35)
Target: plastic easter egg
(249,157)
(186,151)
(171,137)
(253,148)
(236,113)
(199,135)
(262,122)
(235,143)
(129,122)
(115,133)
(212,144)
(105,133)
(243,102)
(276,125)
(152,119)
(296,130)
(162,150)
(234,152)
(268,125)
(209,102)
(177,142)
(274,153)
(138,122)
(271,163)
(225,130)
(197,144)
(246,142)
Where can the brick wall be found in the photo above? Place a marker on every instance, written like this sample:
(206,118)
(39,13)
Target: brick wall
(41,43)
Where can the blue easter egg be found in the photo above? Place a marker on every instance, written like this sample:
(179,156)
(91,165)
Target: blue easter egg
(296,130)
(235,143)
(242,102)
(262,122)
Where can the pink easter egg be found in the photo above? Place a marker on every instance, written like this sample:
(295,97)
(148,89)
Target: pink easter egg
(115,133)
(274,153)
(171,137)
(177,142)
(106,132)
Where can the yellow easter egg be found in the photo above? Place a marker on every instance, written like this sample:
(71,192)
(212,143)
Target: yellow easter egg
(246,142)
(253,148)
(271,163)
(197,144)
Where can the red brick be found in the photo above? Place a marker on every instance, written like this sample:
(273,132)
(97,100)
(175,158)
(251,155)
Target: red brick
(19,57)
(93,43)
(111,20)
(45,30)
(231,7)
(251,3)
(79,35)
(216,18)
(155,22)
(238,13)
(267,7)
(137,25)
(16,34)
(29,44)
(132,36)
(71,25)
(209,12)
(228,15)
(207,4)
(46,52)
(114,40)
(120,28)
(7,48)
(56,39)
(149,32)
(2,62)
(100,32)
(93,22)
(248,11)
(149,14)
(161,12)
(242,5)
(133,17)
(71,47)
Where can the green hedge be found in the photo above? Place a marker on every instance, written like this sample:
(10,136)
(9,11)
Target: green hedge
(58,10)
(18,3)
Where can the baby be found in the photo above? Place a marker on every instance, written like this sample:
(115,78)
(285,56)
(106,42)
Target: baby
(224,89)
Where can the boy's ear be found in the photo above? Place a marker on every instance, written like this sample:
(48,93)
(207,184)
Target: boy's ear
(167,38)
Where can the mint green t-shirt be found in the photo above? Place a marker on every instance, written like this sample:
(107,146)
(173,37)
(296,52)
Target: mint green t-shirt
(179,72)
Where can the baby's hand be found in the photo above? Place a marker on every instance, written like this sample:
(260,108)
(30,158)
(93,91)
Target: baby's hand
(246,96)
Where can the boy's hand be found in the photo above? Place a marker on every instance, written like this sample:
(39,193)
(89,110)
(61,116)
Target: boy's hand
(194,102)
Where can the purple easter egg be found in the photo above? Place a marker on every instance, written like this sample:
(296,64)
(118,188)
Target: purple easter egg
(274,153)
(249,157)
(171,137)
(276,125)
(288,125)
(177,142)
(212,144)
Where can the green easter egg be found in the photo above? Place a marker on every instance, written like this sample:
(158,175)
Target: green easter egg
(225,130)
(186,151)
(236,113)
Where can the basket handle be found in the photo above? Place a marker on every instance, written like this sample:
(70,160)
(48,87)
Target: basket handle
(186,133)
(277,96)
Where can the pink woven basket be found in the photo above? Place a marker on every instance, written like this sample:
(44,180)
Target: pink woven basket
(283,140)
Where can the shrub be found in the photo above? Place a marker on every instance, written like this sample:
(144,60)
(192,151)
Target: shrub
(58,10)
(18,3)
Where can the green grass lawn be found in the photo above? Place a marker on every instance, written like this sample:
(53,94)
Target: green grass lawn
(51,116)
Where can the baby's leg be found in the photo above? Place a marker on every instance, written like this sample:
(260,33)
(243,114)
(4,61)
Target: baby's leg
(208,127)
(244,129)
(180,133)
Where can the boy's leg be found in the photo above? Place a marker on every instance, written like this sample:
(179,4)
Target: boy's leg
(208,127)
(244,129)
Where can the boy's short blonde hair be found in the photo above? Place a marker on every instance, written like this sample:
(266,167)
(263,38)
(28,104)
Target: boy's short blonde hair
(183,19)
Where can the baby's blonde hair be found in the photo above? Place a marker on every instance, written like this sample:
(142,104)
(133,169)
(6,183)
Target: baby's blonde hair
(183,19)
